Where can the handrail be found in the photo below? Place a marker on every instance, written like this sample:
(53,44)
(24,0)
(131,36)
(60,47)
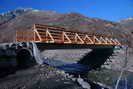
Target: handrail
(52,34)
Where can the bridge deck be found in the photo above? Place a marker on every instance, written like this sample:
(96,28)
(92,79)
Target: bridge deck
(57,35)
(49,46)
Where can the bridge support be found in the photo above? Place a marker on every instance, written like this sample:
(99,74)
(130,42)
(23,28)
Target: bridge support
(15,56)
(24,57)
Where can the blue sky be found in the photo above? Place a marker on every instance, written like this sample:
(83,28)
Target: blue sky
(113,10)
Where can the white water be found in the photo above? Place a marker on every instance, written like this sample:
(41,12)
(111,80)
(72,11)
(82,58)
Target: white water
(37,54)
(83,83)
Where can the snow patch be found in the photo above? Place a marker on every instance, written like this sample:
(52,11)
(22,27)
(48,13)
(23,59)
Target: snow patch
(35,10)
(84,84)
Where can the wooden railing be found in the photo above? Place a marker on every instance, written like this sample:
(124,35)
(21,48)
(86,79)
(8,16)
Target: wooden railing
(51,34)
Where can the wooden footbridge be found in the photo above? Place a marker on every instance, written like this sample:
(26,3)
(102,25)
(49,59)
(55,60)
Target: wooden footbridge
(44,37)
(51,37)
(51,34)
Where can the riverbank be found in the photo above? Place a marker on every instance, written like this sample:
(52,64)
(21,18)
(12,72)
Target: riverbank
(38,77)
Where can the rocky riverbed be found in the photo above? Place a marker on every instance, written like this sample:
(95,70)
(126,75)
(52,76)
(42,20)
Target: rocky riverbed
(45,77)
(38,77)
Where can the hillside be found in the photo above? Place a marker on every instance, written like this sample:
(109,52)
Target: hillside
(25,18)
(127,24)
(6,17)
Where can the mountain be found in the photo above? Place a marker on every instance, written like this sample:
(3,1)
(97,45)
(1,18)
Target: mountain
(127,24)
(23,19)
(6,17)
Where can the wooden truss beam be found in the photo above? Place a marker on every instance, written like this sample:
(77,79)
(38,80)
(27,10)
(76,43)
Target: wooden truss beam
(49,34)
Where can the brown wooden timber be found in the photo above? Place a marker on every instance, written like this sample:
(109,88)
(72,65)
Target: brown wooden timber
(53,34)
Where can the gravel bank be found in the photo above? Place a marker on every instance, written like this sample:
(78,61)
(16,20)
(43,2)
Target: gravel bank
(38,77)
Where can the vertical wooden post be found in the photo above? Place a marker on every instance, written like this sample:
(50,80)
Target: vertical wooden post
(62,37)
(34,35)
(75,39)
(46,35)
(35,30)
(93,39)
